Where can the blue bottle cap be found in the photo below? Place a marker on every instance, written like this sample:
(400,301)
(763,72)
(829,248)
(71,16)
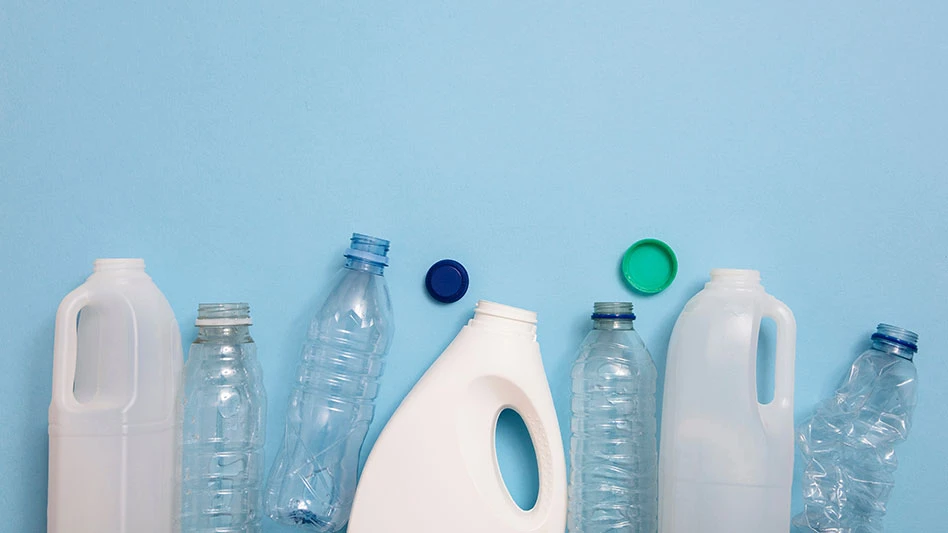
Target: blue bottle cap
(447,281)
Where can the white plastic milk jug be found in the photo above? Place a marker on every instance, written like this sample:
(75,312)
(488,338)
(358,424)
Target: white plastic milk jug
(726,461)
(434,467)
(116,369)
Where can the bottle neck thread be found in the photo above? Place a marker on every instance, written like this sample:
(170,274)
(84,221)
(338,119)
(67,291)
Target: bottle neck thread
(735,278)
(613,315)
(367,254)
(124,266)
(505,318)
(361,265)
(895,341)
(228,322)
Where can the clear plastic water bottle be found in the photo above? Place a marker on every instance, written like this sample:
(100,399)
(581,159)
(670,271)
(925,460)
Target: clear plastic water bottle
(313,480)
(613,484)
(848,443)
(224,408)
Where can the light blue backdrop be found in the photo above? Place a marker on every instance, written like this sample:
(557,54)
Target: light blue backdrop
(236,147)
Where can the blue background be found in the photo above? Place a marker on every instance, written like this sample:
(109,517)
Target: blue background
(235,148)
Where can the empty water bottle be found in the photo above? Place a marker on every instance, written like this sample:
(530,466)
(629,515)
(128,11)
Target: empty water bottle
(313,480)
(848,442)
(224,407)
(613,483)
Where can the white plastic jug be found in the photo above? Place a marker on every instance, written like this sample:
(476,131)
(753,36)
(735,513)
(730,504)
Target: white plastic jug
(116,371)
(434,467)
(726,461)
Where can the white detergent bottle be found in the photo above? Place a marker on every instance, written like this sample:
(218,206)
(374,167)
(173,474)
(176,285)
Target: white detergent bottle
(112,435)
(726,460)
(434,467)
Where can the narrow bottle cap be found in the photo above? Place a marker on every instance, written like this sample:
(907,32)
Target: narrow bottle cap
(649,266)
(447,281)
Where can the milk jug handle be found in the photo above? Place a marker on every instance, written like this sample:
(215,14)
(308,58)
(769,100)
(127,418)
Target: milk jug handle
(785,352)
(66,343)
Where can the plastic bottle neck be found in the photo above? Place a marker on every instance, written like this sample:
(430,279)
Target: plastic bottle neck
(732,278)
(613,315)
(119,267)
(896,341)
(361,265)
(367,254)
(504,318)
(227,323)
(224,335)
(611,324)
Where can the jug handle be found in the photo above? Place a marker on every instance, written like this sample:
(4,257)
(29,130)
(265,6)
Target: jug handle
(542,432)
(786,351)
(66,344)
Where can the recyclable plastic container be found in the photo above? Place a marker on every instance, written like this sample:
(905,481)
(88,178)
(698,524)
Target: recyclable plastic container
(224,408)
(434,467)
(116,370)
(726,461)
(849,442)
(332,402)
(613,482)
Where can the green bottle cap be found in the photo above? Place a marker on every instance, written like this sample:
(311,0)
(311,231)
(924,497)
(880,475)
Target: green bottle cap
(649,266)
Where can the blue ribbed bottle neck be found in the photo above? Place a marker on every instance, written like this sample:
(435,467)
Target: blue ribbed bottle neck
(368,254)
(896,341)
(613,315)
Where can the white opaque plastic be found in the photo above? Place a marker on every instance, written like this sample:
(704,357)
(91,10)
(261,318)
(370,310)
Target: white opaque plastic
(726,461)
(434,467)
(116,369)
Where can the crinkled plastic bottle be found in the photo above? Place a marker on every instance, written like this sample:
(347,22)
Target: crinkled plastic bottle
(223,414)
(613,484)
(313,480)
(848,444)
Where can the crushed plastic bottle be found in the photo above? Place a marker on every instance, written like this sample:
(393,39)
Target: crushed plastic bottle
(613,484)
(848,443)
(313,480)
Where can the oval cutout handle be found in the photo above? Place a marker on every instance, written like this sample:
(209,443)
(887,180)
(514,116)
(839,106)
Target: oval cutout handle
(542,434)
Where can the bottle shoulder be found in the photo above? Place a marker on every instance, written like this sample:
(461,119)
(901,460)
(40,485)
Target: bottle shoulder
(222,365)
(614,344)
(356,313)
(875,364)
(608,355)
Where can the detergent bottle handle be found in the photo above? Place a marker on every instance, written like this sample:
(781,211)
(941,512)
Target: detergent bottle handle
(543,429)
(66,343)
(782,404)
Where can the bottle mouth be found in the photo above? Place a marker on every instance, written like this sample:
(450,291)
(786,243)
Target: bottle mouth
(900,336)
(223,314)
(735,275)
(368,248)
(118,264)
(613,310)
(484,307)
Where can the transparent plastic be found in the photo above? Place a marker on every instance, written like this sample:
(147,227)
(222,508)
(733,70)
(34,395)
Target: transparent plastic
(313,480)
(848,443)
(224,408)
(613,485)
